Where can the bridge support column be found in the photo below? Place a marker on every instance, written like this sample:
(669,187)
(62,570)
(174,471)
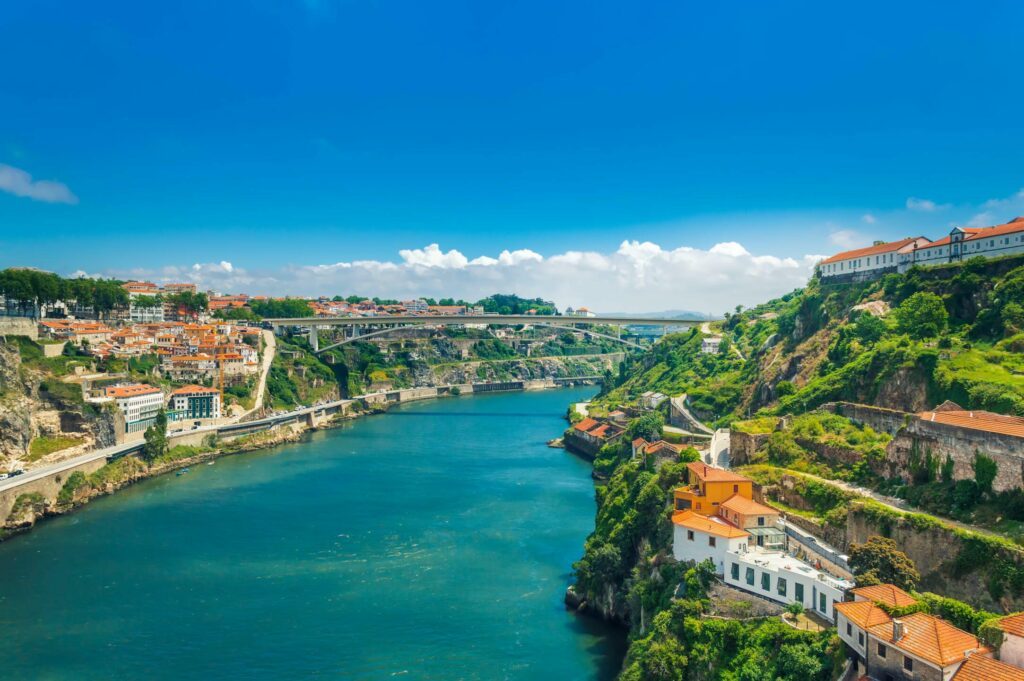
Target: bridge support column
(314,339)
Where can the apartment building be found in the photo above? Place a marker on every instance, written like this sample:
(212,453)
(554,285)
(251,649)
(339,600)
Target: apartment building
(138,402)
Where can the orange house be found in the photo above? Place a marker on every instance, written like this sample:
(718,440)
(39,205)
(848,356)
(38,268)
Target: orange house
(709,488)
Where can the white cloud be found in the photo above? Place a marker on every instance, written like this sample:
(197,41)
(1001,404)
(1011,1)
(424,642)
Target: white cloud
(925,205)
(846,238)
(869,218)
(636,277)
(20,183)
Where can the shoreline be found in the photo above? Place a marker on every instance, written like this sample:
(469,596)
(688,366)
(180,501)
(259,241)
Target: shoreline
(42,510)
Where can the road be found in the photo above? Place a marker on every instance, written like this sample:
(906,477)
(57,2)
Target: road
(268,358)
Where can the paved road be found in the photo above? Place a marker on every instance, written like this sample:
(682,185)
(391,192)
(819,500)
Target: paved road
(268,358)
(111,452)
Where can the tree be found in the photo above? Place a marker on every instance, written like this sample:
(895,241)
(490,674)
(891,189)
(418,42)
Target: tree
(649,427)
(922,315)
(156,437)
(985,470)
(879,561)
(795,609)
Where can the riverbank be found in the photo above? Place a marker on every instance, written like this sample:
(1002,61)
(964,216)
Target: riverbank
(420,543)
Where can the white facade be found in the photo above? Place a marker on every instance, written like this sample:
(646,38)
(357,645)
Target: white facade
(852,635)
(1012,650)
(139,410)
(784,579)
(711,345)
(693,544)
(870,260)
(146,315)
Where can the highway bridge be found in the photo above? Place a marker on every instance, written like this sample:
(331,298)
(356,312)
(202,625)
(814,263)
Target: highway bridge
(386,324)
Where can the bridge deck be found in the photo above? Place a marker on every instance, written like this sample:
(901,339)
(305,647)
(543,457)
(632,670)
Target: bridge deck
(482,319)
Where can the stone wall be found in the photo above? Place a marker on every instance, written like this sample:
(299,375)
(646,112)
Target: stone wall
(19,326)
(48,486)
(878,418)
(742,446)
(961,445)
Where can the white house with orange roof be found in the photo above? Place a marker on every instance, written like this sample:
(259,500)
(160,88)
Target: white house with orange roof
(138,402)
(698,538)
(870,261)
(914,647)
(717,518)
(1012,649)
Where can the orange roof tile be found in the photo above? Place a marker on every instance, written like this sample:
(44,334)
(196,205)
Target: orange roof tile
(930,638)
(886,594)
(978,420)
(1013,624)
(871,250)
(745,506)
(712,474)
(191,389)
(981,668)
(133,390)
(586,424)
(1011,227)
(864,614)
(695,521)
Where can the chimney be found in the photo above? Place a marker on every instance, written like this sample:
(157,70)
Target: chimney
(897,630)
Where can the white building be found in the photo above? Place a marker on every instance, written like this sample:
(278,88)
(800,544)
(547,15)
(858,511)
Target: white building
(782,578)
(416,306)
(652,399)
(138,402)
(697,537)
(864,263)
(146,315)
(1012,649)
(969,242)
(711,345)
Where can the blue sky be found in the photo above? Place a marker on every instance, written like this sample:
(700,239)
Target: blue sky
(275,134)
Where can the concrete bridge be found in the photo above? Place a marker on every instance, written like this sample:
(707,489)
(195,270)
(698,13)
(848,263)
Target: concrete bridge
(386,324)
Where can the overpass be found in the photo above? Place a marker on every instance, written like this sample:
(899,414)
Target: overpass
(386,324)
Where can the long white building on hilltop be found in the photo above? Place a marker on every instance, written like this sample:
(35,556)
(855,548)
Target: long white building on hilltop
(862,264)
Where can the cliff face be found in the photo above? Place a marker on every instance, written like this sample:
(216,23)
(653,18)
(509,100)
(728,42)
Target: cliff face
(27,412)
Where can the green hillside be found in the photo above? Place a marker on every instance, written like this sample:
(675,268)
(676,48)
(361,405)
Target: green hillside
(906,341)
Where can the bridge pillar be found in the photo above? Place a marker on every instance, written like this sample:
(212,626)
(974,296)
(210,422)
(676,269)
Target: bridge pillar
(314,339)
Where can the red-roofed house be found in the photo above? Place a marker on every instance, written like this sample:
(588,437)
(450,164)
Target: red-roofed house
(871,261)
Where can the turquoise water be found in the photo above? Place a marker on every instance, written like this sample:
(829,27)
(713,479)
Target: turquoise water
(434,542)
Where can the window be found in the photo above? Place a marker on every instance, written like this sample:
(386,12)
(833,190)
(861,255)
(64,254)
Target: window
(908,663)
(849,629)
(780,586)
(698,505)
(821,603)
(689,535)
(735,489)
(766,581)
(860,637)
(760,520)
(750,576)
(881,651)
(734,571)
(711,541)
(799,592)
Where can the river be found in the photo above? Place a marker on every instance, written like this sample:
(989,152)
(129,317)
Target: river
(433,542)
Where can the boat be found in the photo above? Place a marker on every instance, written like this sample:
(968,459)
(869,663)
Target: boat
(210,463)
(182,471)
